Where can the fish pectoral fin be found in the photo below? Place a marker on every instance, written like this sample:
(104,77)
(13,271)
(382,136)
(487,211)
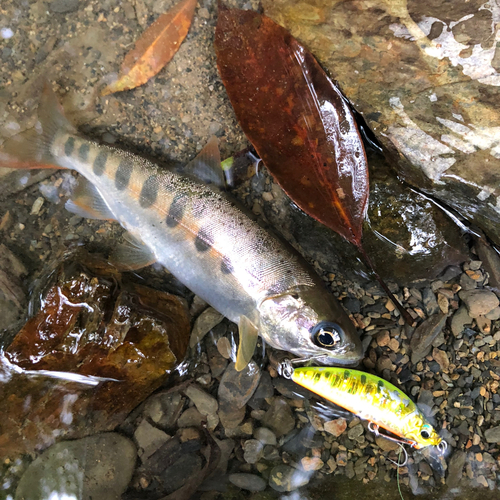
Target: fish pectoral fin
(87,202)
(132,254)
(206,167)
(249,334)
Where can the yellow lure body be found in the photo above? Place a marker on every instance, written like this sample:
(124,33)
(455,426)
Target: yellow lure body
(370,398)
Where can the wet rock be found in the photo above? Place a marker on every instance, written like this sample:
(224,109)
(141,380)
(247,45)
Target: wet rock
(164,408)
(249,482)
(459,320)
(149,439)
(203,324)
(335,427)
(205,403)
(424,335)
(279,417)
(265,435)
(236,388)
(252,451)
(285,478)
(491,261)
(455,467)
(64,6)
(385,444)
(224,347)
(442,359)
(355,432)
(479,302)
(191,418)
(98,466)
(492,435)
(311,463)
(440,144)
(187,467)
(265,389)
(230,416)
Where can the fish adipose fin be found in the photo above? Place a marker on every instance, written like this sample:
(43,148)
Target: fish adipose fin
(132,254)
(206,167)
(249,334)
(31,149)
(87,202)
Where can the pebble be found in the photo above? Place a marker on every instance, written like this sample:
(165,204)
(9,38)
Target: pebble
(98,466)
(249,482)
(224,347)
(236,388)
(355,432)
(265,435)
(164,409)
(424,335)
(279,417)
(205,403)
(479,302)
(492,435)
(285,478)
(191,418)
(386,444)
(459,320)
(203,324)
(149,439)
(335,427)
(311,463)
(253,451)
(231,417)
(442,359)
(64,6)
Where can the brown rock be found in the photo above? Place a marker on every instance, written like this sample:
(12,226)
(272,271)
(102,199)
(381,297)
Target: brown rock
(335,427)
(441,357)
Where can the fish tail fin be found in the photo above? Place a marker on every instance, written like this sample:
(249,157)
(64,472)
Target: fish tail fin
(32,148)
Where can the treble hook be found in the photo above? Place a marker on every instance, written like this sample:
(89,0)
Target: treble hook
(400,442)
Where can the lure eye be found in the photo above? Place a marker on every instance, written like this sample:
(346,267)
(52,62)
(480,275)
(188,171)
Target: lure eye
(425,433)
(326,334)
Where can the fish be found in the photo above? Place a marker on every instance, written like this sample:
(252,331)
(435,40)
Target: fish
(187,222)
(371,398)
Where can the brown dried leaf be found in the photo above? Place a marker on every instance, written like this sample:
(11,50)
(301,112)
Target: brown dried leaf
(155,48)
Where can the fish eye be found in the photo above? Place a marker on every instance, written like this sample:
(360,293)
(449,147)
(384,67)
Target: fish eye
(326,334)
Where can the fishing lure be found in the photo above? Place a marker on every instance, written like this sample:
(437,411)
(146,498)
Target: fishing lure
(370,398)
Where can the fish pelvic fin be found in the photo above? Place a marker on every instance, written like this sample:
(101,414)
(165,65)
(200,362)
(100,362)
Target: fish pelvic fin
(32,148)
(249,333)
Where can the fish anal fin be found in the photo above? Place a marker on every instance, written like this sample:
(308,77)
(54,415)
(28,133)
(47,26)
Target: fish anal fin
(206,167)
(249,333)
(87,202)
(131,255)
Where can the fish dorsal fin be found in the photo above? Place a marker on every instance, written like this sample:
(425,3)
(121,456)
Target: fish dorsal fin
(206,166)
(132,254)
(249,334)
(88,202)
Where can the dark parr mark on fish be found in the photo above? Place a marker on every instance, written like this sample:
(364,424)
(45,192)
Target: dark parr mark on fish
(69,145)
(83,152)
(226,267)
(149,192)
(176,210)
(203,241)
(100,163)
(380,385)
(363,379)
(123,173)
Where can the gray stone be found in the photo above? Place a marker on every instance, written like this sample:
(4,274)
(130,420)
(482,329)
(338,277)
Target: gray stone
(191,418)
(98,466)
(424,335)
(149,439)
(430,302)
(252,451)
(459,320)
(492,435)
(355,432)
(164,408)
(236,388)
(64,6)
(479,302)
(279,417)
(230,416)
(265,435)
(249,482)
(455,467)
(205,403)
(203,324)
(285,478)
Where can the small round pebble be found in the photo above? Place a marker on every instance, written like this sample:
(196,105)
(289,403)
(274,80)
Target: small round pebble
(250,482)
